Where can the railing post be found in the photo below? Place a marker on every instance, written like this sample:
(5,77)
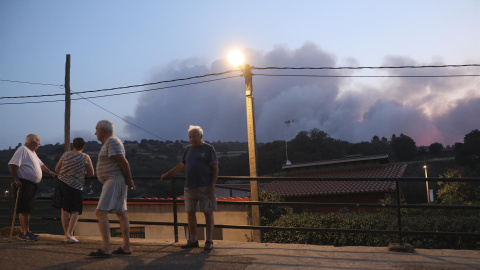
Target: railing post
(399,215)
(175,217)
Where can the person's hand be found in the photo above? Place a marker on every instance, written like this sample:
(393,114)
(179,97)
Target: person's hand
(165,175)
(53,174)
(130,184)
(211,192)
(18,183)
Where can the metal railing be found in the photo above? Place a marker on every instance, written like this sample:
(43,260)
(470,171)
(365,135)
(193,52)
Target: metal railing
(397,205)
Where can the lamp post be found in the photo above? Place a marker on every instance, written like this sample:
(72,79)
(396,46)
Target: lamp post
(252,150)
(426,182)
(236,59)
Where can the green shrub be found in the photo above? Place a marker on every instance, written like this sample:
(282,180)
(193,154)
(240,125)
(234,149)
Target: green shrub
(428,220)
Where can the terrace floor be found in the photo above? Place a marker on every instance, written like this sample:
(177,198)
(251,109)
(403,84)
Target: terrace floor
(50,252)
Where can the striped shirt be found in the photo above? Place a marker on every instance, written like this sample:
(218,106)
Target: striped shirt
(107,167)
(73,169)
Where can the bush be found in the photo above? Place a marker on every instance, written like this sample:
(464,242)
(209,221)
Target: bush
(428,220)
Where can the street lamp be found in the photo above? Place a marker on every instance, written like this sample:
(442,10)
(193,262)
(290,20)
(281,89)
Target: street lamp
(236,59)
(426,177)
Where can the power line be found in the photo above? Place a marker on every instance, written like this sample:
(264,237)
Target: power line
(47,84)
(167,81)
(366,76)
(118,94)
(131,86)
(385,67)
(87,99)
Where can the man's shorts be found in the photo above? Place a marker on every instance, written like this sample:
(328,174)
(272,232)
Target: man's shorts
(67,198)
(26,198)
(196,199)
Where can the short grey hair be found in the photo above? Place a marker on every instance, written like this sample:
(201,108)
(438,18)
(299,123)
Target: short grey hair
(106,125)
(198,129)
(31,138)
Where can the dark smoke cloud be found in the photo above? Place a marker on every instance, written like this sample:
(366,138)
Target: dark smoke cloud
(427,109)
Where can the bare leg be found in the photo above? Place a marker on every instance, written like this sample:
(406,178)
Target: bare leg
(125,227)
(209,222)
(24,222)
(72,223)
(65,221)
(192,226)
(104,226)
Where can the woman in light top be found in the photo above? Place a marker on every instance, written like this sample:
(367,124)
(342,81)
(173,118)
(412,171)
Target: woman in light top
(72,168)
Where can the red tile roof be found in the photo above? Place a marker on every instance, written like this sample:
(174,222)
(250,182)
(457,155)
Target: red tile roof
(313,188)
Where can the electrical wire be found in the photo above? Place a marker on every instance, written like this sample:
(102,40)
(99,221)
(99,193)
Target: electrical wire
(126,93)
(137,126)
(124,87)
(47,84)
(366,76)
(386,67)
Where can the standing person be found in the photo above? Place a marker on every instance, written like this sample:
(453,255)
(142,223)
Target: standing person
(201,163)
(26,169)
(72,168)
(113,171)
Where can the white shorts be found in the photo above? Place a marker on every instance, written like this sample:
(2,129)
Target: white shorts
(196,199)
(113,198)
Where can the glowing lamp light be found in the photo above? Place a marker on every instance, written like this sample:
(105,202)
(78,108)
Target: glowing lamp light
(235,58)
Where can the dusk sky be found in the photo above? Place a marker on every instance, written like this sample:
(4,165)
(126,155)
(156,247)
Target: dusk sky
(123,43)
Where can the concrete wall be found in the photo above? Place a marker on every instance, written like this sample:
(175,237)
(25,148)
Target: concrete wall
(226,214)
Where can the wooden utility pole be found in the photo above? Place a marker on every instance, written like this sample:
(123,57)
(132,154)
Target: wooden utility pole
(67,103)
(252,151)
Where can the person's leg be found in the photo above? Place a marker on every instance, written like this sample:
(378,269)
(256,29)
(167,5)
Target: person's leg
(209,222)
(72,223)
(125,227)
(65,222)
(104,226)
(192,226)
(24,222)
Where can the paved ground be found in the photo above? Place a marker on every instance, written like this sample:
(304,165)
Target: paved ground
(51,253)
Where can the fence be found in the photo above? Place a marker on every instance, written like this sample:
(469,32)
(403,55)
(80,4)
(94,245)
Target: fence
(397,205)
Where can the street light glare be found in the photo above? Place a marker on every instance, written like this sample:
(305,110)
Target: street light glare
(236,58)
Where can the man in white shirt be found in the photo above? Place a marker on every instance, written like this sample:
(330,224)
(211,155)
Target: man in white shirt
(26,169)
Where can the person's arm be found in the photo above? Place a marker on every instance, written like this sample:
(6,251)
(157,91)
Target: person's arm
(211,190)
(47,170)
(90,171)
(173,171)
(125,169)
(59,166)
(14,172)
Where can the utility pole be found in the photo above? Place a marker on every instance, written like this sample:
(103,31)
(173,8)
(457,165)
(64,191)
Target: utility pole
(252,151)
(67,103)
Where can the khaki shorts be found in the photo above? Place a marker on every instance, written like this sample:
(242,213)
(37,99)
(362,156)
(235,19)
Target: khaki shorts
(196,199)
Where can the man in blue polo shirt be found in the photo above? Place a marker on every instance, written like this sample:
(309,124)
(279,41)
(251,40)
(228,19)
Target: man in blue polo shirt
(201,169)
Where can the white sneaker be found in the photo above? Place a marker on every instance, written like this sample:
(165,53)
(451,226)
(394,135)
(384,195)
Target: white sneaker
(71,240)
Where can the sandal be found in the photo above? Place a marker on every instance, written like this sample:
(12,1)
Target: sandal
(100,254)
(208,245)
(190,244)
(120,251)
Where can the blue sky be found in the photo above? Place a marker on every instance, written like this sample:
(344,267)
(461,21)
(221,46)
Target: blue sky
(119,43)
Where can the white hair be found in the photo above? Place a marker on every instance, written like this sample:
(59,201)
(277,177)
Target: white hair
(198,129)
(31,138)
(106,125)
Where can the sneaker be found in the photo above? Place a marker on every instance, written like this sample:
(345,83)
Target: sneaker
(190,244)
(30,237)
(71,240)
(22,236)
(208,245)
(35,235)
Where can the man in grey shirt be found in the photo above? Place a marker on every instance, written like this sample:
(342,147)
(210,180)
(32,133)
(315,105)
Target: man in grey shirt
(201,168)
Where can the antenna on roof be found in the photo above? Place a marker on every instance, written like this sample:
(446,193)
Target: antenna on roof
(287,124)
